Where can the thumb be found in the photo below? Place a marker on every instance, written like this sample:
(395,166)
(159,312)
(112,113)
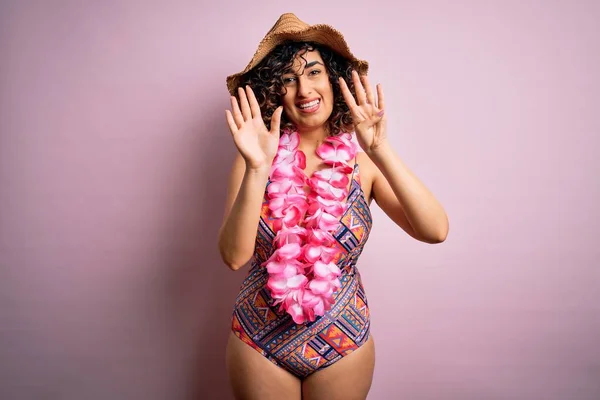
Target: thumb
(276,120)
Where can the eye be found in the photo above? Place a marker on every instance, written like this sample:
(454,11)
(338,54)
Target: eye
(288,80)
(315,72)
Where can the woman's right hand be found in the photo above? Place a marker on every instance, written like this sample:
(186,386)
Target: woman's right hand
(257,145)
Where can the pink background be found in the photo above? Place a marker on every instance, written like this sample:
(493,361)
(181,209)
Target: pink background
(113,159)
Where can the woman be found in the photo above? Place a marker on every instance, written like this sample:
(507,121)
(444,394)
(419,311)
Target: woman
(300,327)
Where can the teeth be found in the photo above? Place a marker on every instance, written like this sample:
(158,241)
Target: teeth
(311,104)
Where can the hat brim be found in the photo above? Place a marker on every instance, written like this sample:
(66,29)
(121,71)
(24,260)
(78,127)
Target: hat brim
(319,33)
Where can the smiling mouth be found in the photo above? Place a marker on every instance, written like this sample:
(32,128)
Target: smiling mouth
(310,107)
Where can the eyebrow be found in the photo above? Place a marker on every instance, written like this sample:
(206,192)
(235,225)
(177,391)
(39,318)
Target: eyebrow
(308,65)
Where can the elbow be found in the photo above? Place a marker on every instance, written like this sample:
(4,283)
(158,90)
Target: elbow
(440,238)
(232,261)
(441,234)
(436,236)
(233,266)
(431,239)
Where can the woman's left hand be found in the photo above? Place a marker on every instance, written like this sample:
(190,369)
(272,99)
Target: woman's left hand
(368,116)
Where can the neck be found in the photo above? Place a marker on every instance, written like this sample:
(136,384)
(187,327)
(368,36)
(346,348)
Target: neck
(310,139)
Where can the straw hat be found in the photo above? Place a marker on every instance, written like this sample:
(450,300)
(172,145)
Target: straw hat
(290,27)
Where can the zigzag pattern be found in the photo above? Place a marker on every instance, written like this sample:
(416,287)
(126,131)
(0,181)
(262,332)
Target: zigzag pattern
(303,349)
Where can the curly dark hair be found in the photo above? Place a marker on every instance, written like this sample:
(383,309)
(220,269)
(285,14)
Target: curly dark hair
(267,83)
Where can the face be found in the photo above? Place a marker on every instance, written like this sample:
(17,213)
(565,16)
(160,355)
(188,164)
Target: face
(308,101)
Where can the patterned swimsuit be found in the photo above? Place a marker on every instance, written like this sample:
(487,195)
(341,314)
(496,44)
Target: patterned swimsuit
(305,348)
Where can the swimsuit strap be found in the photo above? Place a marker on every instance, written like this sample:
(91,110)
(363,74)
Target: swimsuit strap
(356,173)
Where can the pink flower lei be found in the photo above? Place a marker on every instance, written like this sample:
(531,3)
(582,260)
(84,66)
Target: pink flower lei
(303,275)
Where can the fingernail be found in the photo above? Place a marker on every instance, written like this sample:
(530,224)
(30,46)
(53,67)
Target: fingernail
(380,113)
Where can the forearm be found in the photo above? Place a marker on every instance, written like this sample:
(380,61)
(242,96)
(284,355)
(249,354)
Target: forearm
(424,213)
(238,234)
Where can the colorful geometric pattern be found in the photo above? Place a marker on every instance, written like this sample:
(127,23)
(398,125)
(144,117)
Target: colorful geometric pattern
(303,349)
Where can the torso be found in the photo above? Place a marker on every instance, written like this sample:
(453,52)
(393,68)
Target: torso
(303,349)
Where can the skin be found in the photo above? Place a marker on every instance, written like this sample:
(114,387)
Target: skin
(384,178)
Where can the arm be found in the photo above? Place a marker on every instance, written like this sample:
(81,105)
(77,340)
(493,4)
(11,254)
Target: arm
(405,199)
(257,147)
(242,213)
(399,193)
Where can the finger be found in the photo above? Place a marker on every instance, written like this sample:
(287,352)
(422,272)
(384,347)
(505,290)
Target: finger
(276,120)
(358,88)
(237,115)
(244,105)
(368,90)
(380,98)
(254,106)
(231,122)
(348,98)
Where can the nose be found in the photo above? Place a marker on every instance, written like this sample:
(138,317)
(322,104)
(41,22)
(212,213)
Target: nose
(304,87)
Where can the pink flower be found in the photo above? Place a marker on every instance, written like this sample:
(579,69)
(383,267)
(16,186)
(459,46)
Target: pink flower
(322,220)
(289,250)
(327,271)
(332,153)
(292,216)
(286,252)
(317,236)
(315,252)
(335,176)
(332,207)
(282,285)
(284,267)
(280,172)
(326,190)
(346,140)
(317,304)
(294,234)
(297,313)
(290,140)
(337,149)
(279,187)
(321,287)
(303,275)
(300,159)
(280,205)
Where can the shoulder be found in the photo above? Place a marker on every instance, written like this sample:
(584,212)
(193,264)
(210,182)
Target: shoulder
(368,169)
(368,172)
